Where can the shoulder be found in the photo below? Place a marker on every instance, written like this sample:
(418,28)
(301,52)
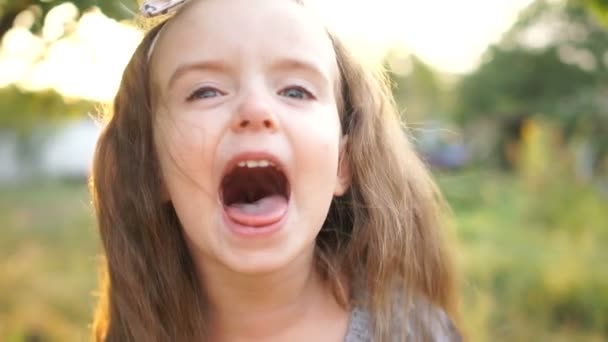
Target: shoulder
(423,322)
(427,322)
(359,326)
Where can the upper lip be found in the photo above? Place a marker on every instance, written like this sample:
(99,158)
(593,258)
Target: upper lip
(252,155)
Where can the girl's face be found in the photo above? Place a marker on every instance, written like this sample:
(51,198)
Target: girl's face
(247,130)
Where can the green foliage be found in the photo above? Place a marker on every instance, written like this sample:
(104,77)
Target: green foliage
(48,247)
(9,9)
(516,77)
(522,81)
(417,89)
(22,111)
(118,9)
(599,8)
(533,248)
(563,76)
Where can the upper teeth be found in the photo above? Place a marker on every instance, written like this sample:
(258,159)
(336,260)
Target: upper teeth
(255,163)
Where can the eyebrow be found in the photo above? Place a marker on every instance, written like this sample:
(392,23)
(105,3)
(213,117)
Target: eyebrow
(211,65)
(220,66)
(300,65)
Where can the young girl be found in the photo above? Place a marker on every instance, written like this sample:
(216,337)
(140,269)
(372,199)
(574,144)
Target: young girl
(254,183)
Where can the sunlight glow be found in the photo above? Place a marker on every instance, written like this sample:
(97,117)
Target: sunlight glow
(449,35)
(87,61)
(84,64)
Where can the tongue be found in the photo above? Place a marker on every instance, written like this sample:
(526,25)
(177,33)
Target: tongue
(263,212)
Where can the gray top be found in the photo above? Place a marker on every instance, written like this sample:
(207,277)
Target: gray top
(358,327)
(424,324)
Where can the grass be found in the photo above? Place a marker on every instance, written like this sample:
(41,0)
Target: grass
(533,261)
(533,258)
(48,246)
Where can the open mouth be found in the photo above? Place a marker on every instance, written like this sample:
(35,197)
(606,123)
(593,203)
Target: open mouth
(255,193)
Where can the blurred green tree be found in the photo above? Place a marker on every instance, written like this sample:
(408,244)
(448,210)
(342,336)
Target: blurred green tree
(23,109)
(599,8)
(417,88)
(554,63)
(10,9)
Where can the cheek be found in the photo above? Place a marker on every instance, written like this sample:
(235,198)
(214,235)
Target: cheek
(318,161)
(185,153)
(319,140)
(316,147)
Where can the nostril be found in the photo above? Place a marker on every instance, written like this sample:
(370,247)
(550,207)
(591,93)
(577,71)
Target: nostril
(268,124)
(244,123)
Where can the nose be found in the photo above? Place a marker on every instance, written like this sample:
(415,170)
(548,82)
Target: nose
(254,114)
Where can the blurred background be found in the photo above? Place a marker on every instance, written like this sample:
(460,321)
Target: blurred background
(507,101)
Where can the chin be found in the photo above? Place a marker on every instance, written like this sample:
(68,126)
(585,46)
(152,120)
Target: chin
(267,259)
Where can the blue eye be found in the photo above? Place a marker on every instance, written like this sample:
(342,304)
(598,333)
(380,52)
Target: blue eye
(296,92)
(204,93)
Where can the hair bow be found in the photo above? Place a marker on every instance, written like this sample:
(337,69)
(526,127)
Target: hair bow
(153,8)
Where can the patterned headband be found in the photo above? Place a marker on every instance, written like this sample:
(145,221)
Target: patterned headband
(153,8)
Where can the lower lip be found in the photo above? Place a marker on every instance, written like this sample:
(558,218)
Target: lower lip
(254,232)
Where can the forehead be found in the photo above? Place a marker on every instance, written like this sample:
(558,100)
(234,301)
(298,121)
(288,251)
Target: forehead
(241,31)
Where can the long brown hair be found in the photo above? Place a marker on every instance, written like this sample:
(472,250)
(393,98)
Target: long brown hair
(381,248)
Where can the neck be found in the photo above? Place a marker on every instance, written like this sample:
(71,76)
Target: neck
(262,307)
